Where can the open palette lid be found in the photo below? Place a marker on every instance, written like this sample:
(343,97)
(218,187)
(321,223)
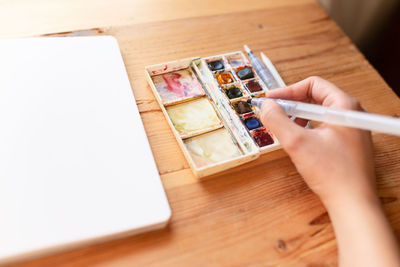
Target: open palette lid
(202,99)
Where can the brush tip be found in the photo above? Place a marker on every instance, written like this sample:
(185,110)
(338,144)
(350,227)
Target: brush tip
(247,49)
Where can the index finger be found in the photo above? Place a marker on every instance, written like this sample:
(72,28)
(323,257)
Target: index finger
(312,90)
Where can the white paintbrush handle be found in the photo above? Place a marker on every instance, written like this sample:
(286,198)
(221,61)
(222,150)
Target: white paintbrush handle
(272,69)
(350,118)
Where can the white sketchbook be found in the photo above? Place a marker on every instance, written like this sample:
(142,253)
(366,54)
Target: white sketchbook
(75,163)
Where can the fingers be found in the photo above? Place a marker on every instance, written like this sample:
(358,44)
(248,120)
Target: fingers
(313,89)
(316,90)
(275,119)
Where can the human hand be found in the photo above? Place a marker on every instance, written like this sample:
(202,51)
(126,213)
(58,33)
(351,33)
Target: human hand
(335,161)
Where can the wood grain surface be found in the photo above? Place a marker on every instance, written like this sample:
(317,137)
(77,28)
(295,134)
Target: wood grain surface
(262,213)
(27,17)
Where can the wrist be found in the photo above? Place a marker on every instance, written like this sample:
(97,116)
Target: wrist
(355,189)
(346,201)
(363,233)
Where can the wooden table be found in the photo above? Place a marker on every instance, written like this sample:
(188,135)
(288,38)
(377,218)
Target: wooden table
(261,213)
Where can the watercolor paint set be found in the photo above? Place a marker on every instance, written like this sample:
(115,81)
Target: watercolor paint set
(202,100)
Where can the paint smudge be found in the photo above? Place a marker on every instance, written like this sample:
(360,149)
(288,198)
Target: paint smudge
(193,116)
(178,85)
(174,85)
(212,147)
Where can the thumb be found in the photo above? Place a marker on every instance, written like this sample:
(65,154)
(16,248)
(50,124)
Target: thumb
(276,121)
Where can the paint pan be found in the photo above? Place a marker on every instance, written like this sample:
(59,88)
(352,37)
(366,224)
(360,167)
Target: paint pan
(252,122)
(253,86)
(216,64)
(193,117)
(212,147)
(262,137)
(225,78)
(236,60)
(242,107)
(245,73)
(176,86)
(234,92)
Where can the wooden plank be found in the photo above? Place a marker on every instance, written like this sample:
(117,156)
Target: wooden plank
(27,18)
(261,213)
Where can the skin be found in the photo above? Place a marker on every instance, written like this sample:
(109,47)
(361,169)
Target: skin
(337,164)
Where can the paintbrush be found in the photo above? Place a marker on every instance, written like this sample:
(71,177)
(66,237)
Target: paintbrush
(349,118)
(265,72)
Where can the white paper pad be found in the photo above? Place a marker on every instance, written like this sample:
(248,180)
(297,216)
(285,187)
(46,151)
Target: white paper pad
(75,163)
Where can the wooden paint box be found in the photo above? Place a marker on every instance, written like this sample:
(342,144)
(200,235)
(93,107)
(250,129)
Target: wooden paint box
(201,99)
